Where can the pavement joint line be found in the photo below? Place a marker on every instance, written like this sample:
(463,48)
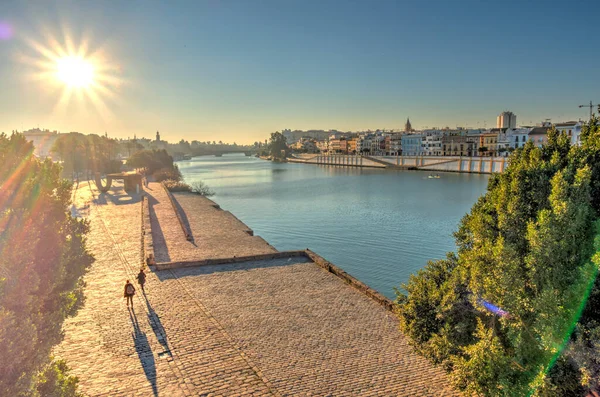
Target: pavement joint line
(220,327)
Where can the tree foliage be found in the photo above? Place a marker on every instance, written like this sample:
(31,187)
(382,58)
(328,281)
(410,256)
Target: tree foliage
(503,314)
(151,160)
(278,147)
(42,259)
(92,153)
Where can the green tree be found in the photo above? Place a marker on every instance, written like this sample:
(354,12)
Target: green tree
(278,147)
(499,313)
(151,160)
(42,259)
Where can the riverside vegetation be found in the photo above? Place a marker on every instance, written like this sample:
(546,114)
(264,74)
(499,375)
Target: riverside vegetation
(160,165)
(516,311)
(43,256)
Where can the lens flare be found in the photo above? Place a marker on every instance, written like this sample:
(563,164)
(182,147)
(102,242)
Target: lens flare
(6,31)
(494,309)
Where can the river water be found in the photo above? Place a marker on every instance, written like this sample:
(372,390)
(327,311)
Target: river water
(380,226)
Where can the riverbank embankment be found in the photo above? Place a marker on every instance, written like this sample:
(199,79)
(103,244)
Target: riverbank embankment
(224,313)
(476,165)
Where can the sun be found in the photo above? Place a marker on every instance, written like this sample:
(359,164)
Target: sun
(75,71)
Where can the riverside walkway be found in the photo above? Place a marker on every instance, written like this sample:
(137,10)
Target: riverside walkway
(275,327)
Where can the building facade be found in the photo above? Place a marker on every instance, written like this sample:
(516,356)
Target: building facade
(488,143)
(506,120)
(432,143)
(539,136)
(412,144)
(517,137)
(572,129)
(42,140)
(459,145)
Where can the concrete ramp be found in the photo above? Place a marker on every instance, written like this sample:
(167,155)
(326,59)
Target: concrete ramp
(193,228)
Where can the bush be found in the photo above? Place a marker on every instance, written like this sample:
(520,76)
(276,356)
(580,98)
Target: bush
(171,173)
(177,186)
(55,381)
(200,188)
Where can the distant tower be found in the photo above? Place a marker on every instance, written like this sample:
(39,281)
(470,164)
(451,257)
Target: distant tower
(157,136)
(506,120)
(407,126)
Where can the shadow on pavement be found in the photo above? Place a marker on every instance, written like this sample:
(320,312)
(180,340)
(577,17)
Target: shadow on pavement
(185,219)
(194,271)
(156,325)
(144,352)
(161,251)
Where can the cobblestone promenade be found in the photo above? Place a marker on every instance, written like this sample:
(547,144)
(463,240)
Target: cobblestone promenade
(282,327)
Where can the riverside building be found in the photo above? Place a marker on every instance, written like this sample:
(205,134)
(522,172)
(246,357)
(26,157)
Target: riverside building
(42,141)
(506,120)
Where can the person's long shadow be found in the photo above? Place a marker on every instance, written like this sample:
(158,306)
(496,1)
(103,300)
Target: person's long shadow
(156,325)
(160,243)
(144,352)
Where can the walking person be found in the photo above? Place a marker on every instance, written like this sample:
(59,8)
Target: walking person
(141,278)
(129,292)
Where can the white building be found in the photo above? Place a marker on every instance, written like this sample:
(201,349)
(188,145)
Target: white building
(506,120)
(432,143)
(572,129)
(377,144)
(517,137)
(42,141)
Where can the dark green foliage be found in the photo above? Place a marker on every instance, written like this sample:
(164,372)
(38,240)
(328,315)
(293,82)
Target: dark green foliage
(529,247)
(153,161)
(42,259)
(278,148)
(54,381)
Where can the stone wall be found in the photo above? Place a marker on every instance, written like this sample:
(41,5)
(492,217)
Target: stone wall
(187,234)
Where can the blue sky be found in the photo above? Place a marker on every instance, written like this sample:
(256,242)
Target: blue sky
(238,70)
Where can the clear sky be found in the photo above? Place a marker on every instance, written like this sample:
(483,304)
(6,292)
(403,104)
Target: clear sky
(238,70)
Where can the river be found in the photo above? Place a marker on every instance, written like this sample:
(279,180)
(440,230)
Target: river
(380,226)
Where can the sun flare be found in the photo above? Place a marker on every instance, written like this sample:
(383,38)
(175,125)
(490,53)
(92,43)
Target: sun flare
(75,71)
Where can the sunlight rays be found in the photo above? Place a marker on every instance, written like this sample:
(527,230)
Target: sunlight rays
(73,72)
